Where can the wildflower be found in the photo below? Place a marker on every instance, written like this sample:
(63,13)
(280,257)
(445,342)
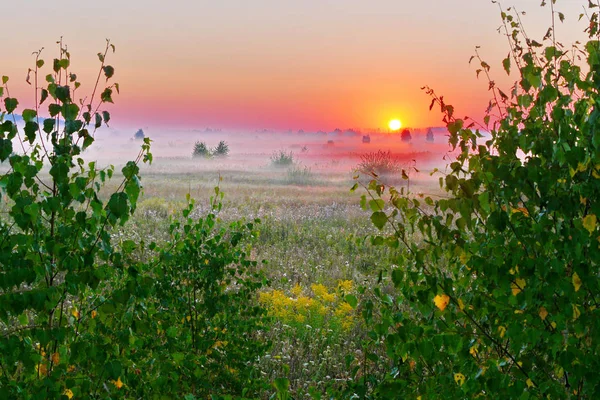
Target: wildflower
(297,290)
(345,286)
(118,383)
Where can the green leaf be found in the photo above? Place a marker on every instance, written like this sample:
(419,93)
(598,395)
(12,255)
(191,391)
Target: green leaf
(70,111)
(31,129)
(118,205)
(106,96)
(379,219)
(376,204)
(5,149)
(351,299)
(506,64)
(10,104)
(106,117)
(43,95)
(28,115)
(109,71)
(63,93)
(54,109)
(49,125)
(4,80)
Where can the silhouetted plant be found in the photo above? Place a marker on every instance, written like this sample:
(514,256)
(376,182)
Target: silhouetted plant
(200,150)
(281,158)
(222,149)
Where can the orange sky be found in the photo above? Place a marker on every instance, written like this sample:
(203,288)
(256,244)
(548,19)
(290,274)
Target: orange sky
(272,64)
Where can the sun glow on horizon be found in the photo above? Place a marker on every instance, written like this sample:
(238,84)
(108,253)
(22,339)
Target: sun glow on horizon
(395,124)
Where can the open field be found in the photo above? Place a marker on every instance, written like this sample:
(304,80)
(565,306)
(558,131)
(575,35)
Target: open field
(312,232)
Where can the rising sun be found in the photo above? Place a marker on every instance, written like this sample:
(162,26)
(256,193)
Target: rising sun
(395,124)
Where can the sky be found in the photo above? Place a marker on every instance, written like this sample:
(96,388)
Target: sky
(275,64)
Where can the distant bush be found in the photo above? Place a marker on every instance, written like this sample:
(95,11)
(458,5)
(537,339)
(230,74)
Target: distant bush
(200,150)
(281,158)
(405,136)
(380,163)
(139,135)
(222,149)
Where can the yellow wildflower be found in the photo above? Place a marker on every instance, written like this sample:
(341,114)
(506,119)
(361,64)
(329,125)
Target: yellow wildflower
(297,290)
(118,383)
(345,286)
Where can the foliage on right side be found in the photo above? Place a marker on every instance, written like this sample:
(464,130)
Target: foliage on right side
(496,289)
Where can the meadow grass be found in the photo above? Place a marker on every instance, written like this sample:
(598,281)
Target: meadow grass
(312,235)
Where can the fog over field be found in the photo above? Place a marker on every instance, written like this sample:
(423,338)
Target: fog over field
(323,153)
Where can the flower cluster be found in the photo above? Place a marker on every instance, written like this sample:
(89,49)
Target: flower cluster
(319,306)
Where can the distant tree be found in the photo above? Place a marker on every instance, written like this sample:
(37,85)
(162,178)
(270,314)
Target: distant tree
(222,149)
(405,136)
(200,150)
(429,136)
(139,135)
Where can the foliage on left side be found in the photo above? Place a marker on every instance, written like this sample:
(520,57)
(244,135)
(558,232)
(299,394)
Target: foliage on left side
(82,315)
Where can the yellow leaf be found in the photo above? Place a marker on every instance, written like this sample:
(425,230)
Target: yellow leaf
(68,393)
(582,200)
(576,312)
(543,313)
(529,382)
(553,324)
(75,313)
(459,378)
(461,305)
(41,369)
(517,286)
(188,318)
(118,383)
(473,351)
(589,223)
(55,358)
(94,313)
(441,301)
(576,281)
(502,331)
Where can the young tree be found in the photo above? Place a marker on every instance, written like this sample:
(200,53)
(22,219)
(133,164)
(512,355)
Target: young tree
(500,295)
(200,150)
(222,149)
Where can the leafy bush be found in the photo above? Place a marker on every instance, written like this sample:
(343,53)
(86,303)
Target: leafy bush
(86,315)
(281,158)
(500,296)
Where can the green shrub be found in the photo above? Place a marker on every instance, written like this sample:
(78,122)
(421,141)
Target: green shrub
(85,313)
(499,299)
(222,149)
(281,158)
(200,150)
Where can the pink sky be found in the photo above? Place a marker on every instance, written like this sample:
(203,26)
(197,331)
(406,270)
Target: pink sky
(275,64)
